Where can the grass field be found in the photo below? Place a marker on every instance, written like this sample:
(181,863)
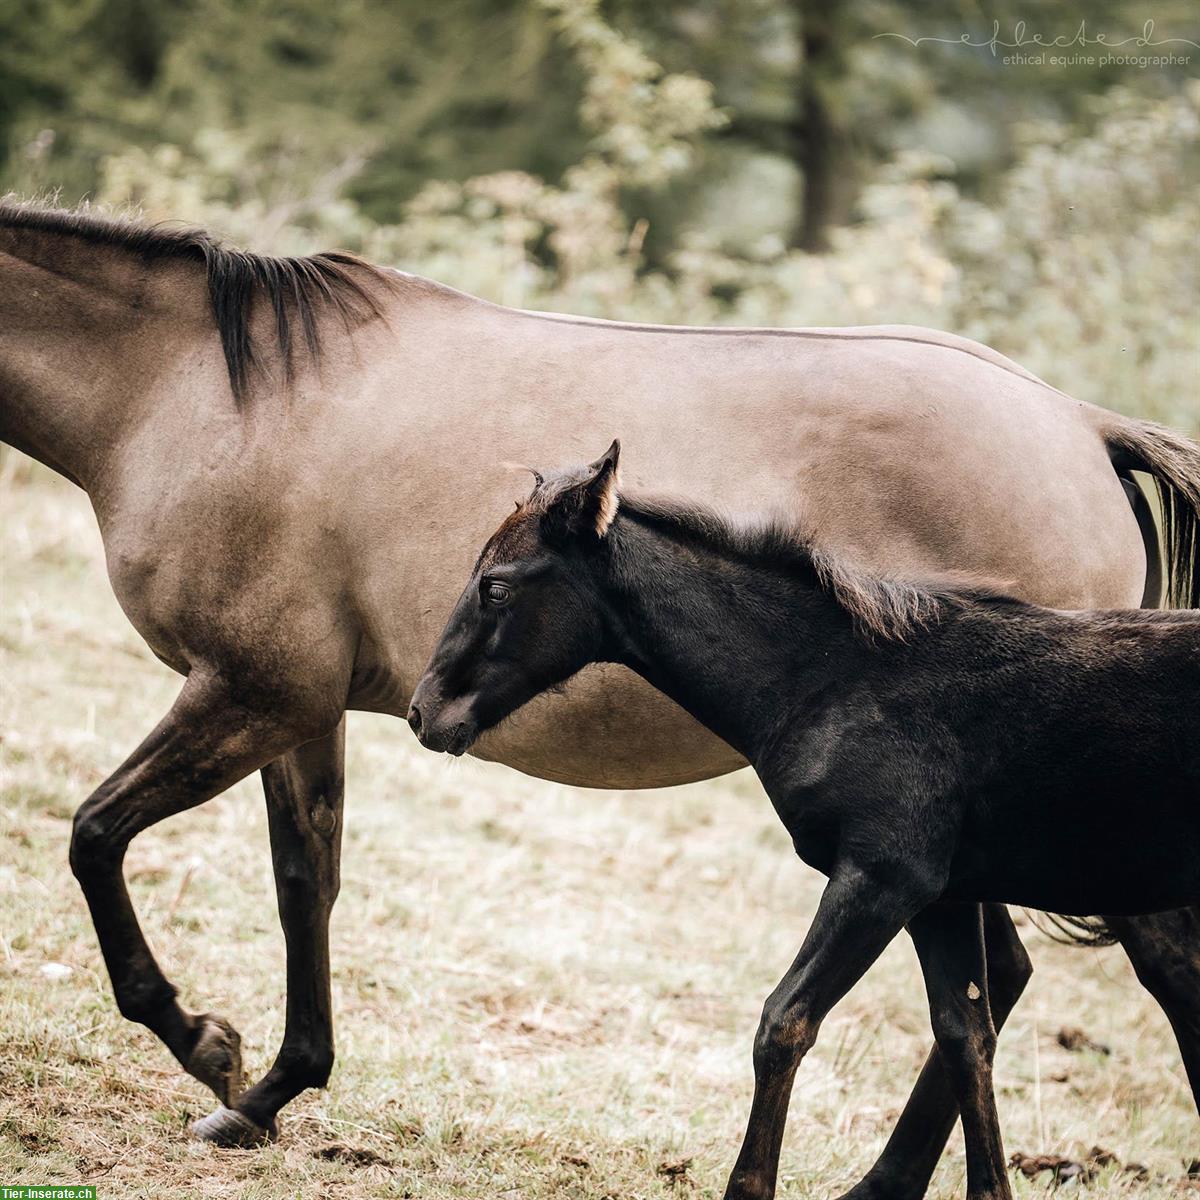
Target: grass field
(540,992)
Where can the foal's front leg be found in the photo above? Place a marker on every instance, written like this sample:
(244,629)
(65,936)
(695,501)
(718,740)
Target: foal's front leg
(858,916)
(950,944)
(304,791)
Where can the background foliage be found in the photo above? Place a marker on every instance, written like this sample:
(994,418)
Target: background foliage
(761,161)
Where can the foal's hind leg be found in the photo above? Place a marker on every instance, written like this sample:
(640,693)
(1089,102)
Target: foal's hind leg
(904,1169)
(1165,951)
(304,807)
(949,941)
(207,742)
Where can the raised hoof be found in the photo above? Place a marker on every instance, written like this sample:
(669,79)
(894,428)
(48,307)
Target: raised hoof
(234,1130)
(217,1058)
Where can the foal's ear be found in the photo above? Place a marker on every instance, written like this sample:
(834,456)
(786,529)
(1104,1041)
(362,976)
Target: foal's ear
(589,503)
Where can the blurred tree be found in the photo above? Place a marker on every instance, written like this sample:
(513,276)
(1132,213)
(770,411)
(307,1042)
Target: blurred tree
(838,89)
(442,91)
(817,94)
(820,131)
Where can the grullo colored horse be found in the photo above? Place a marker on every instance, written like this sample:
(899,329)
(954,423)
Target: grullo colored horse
(291,461)
(924,745)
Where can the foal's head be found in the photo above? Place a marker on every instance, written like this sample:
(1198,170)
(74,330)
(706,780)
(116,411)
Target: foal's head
(529,617)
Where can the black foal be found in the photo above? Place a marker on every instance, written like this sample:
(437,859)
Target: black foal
(925,747)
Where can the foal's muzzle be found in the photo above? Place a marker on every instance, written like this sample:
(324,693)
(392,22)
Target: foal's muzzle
(444,727)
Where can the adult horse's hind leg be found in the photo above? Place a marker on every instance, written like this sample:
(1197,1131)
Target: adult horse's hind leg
(904,1169)
(304,792)
(1165,951)
(211,738)
(950,943)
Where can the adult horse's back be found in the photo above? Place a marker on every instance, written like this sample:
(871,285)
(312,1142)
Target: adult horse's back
(292,460)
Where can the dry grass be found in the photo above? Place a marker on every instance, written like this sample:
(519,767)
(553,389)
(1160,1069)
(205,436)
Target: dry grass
(540,992)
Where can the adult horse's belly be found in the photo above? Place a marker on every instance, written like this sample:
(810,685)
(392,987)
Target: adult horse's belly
(909,450)
(609,729)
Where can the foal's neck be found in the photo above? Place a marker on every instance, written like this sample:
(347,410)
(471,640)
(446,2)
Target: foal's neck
(745,647)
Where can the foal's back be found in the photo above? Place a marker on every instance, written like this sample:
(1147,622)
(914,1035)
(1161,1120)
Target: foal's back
(1065,748)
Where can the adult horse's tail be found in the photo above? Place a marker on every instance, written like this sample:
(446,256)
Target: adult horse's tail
(1174,462)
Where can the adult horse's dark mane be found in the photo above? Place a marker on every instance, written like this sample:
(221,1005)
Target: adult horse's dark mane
(295,287)
(882,607)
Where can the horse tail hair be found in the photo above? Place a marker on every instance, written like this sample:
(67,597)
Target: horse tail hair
(1174,462)
(1072,931)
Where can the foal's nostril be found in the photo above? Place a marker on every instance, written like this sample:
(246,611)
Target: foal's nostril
(414,718)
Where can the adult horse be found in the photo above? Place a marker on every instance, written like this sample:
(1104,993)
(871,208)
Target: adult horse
(292,460)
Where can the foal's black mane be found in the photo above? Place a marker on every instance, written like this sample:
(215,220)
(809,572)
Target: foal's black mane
(295,287)
(880,607)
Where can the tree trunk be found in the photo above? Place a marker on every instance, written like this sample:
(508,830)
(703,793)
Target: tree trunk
(820,142)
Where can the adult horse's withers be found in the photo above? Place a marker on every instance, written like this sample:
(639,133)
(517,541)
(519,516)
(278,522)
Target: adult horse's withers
(287,526)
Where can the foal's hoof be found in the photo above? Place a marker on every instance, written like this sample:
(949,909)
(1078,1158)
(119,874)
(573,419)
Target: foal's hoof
(234,1130)
(217,1058)
(874,1189)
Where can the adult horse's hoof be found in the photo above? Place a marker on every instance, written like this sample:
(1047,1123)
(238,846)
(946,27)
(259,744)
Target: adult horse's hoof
(216,1059)
(234,1130)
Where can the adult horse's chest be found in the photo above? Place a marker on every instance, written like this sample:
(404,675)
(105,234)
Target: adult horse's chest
(225,560)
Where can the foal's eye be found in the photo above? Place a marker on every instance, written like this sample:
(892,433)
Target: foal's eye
(497,593)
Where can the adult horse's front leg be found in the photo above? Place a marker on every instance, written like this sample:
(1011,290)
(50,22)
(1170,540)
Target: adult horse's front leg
(213,736)
(304,792)
(904,1169)
(858,916)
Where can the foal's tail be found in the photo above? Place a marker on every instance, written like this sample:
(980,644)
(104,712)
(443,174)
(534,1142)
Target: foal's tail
(1174,462)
